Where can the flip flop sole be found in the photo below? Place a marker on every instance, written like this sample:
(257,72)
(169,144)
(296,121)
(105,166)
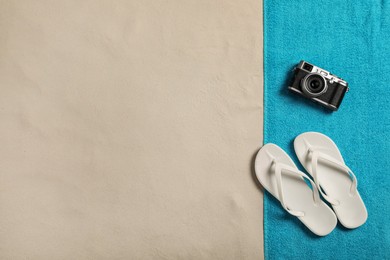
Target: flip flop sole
(319,218)
(336,184)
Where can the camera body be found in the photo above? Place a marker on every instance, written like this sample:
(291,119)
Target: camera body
(318,85)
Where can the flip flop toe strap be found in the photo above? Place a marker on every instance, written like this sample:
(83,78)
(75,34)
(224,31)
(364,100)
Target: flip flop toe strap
(280,169)
(317,156)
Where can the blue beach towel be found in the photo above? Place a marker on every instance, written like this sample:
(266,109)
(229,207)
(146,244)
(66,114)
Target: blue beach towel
(352,40)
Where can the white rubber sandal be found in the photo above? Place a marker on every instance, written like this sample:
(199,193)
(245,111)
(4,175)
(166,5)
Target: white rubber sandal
(335,181)
(279,176)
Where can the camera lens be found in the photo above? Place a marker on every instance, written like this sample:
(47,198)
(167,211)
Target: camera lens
(314,85)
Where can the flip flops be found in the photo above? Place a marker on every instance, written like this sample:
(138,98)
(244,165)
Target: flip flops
(279,176)
(332,179)
(337,183)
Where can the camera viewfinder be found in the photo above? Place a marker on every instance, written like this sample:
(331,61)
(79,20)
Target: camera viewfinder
(307,67)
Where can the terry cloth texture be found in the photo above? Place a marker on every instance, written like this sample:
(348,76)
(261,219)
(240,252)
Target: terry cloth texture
(350,39)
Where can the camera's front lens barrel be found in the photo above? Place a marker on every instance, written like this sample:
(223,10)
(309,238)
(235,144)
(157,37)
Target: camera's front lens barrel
(314,85)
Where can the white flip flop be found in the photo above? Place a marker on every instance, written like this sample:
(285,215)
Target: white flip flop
(279,176)
(335,181)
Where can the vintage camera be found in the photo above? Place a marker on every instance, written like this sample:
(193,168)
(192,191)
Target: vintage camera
(318,85)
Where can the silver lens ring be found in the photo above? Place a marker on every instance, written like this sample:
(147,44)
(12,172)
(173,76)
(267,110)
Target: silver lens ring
(306,87)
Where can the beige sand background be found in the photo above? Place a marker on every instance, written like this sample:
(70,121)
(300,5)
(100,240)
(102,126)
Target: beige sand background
(128,129)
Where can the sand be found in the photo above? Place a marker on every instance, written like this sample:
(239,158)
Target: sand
(128,129)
